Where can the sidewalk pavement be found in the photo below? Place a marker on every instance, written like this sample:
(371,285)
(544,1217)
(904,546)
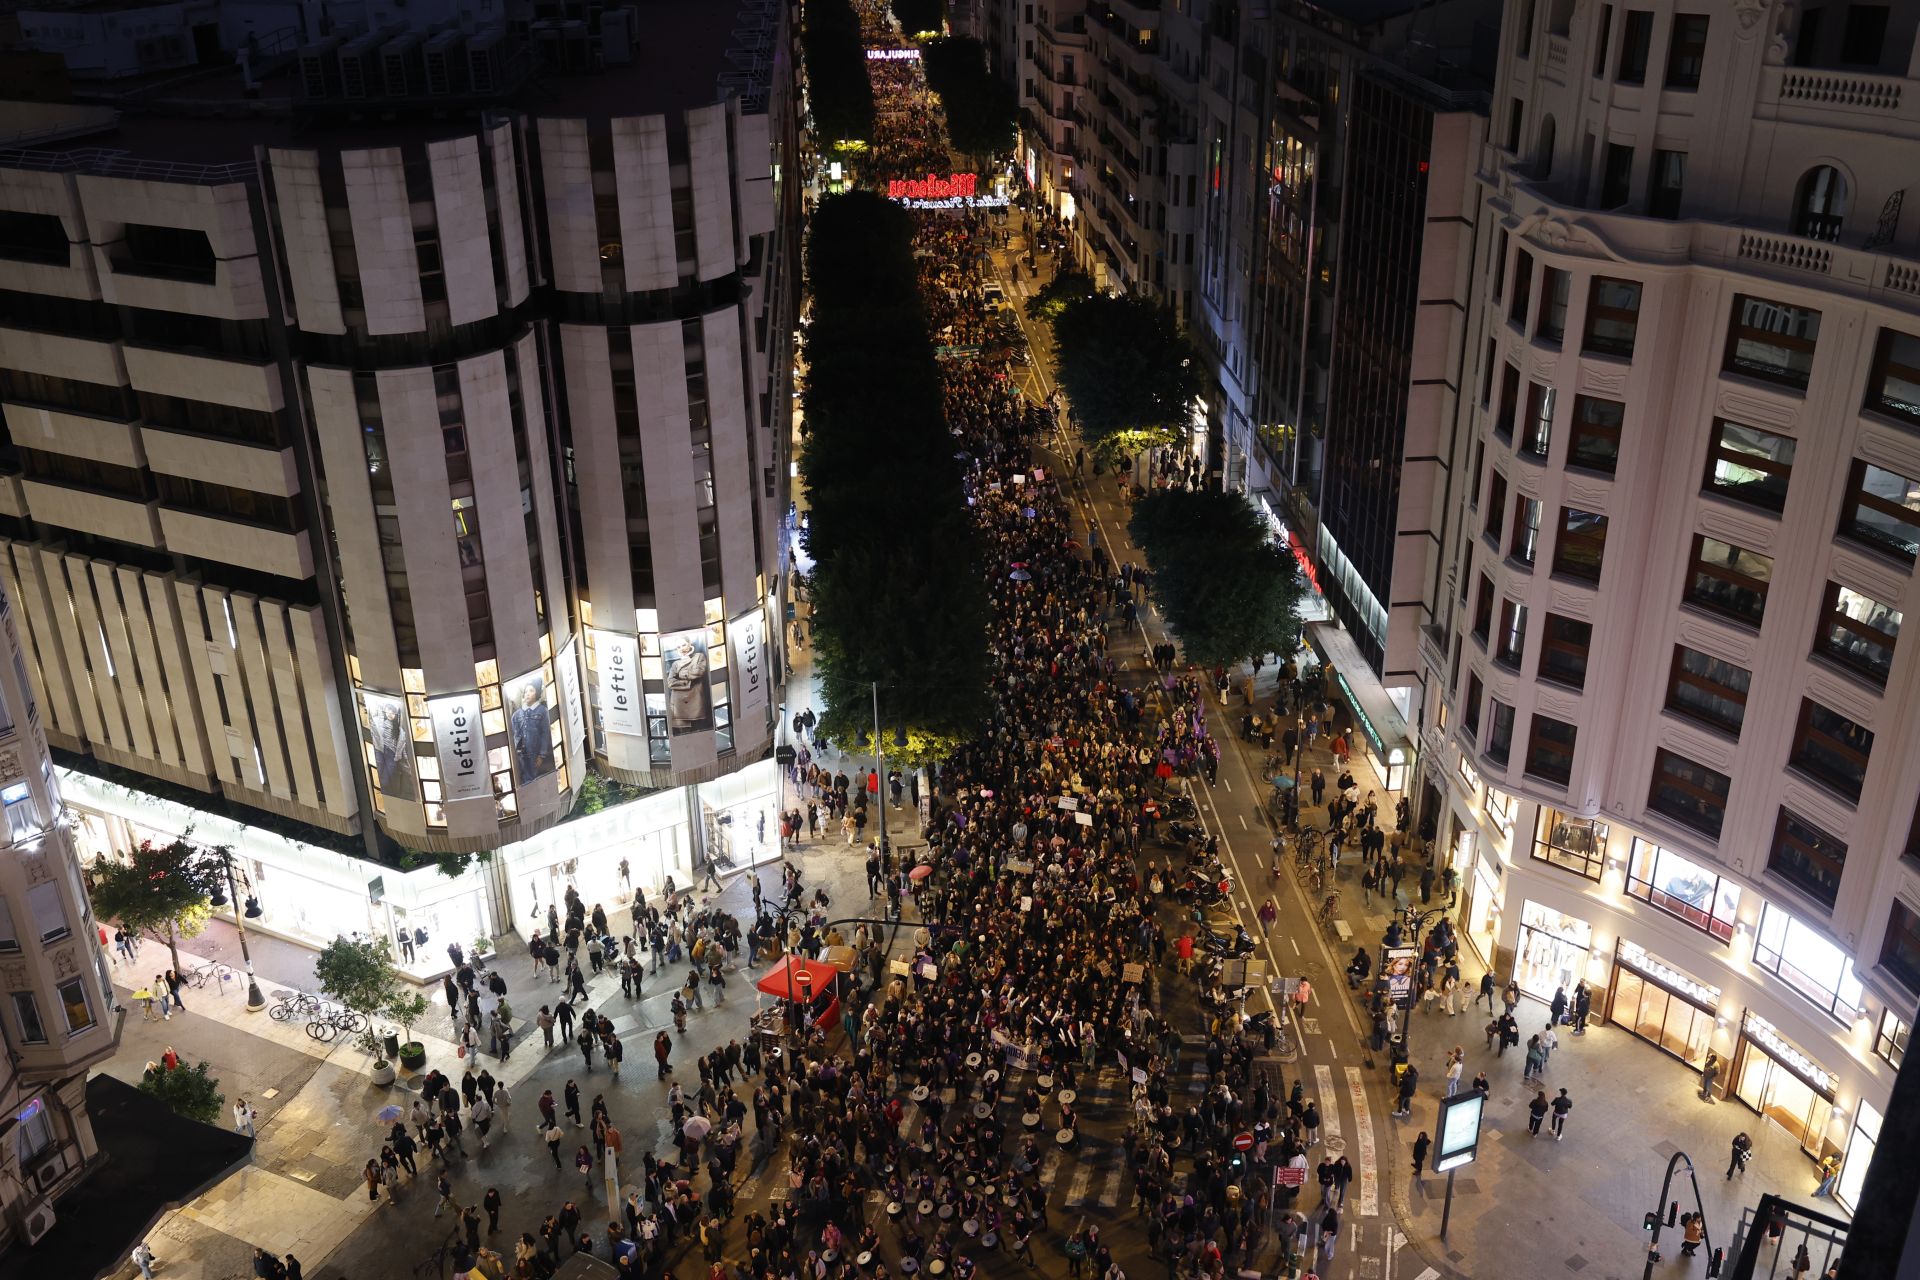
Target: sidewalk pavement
(316,1101)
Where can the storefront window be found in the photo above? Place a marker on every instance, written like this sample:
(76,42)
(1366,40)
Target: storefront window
(1891,1042)
(1860,1148)
(1553,951)
(1661,1005)
(1483,900)
(1686,889)
(1578,845)
(1817,969)
(1500,811)
(1780,1081)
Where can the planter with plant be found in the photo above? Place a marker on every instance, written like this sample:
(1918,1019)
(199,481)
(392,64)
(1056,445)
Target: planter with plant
(361,976)
(407,1009)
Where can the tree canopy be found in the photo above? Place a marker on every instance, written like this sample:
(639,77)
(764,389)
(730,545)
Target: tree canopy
(1221,584)
(982,110)
(897,596)
(1067,285)
(190,1091)
(919,15)
(1128,369)
(361,976)
(835,57)
(162,891)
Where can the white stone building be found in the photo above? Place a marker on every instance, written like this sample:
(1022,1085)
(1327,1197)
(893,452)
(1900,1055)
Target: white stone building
(395,419)
(1667,702)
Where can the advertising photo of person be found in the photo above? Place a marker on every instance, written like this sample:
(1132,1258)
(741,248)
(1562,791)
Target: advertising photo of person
(689,700)
(529,726)
(390,738)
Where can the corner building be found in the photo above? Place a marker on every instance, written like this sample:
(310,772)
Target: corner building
(396,409)
(1665,730)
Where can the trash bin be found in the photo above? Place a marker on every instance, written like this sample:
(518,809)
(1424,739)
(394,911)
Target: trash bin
(392,1045)
(1397,1047)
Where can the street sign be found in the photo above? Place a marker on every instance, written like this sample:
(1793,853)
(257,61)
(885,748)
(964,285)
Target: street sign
(1287,1175)
(1243,1142)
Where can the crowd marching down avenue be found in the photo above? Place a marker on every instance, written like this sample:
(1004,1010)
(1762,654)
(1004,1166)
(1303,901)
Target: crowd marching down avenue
(1050,978)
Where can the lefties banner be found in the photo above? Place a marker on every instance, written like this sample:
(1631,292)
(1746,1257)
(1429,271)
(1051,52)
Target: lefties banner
(747,634)
(621,708)
(462,746)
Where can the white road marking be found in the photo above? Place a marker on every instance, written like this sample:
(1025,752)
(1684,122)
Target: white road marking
(1295,942)
(1243,823)
(1077,1189)
(1110,1191)
(1367,1170)
(1428,1274)
(1329,1102)
(1049,1169)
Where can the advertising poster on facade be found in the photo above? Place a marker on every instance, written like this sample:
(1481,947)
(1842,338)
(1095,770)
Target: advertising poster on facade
(620,704)
(748,636)
(529,726)
(575,711)
(689,700)
(389,738)
(1396,966)
(462,746)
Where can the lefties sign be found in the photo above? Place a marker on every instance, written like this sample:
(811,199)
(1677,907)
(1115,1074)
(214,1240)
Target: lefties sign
(461,746)
(619,658)
(957,186)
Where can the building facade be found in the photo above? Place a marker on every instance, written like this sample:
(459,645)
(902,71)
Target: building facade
(391,451)
(1663,700)
(59,1017)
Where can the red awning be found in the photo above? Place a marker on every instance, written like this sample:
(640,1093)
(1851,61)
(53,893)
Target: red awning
(784,979)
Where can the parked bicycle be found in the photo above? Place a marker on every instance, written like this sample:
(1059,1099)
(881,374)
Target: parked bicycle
(336,1022)
(1329,909)
(212,971)
(295,1008)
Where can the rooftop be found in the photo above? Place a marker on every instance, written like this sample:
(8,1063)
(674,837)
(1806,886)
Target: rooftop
(682,54)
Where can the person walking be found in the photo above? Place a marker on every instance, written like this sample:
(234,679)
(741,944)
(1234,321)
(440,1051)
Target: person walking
(1536,1112)
(1409,1081)
(1742,1152)
(142,1257)
(552,1136)
(662,1050)
(1455,1067)
(1487,985)
(444,1185)
(1421,1145)
(244,1117)
(491,1203)
(1561,1105)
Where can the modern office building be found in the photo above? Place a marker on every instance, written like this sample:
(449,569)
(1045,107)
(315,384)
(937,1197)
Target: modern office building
(395,405)
(1666,692)
(59,1015)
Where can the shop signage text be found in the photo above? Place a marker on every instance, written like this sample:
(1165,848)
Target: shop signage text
(933,187)
(620,706)
(461,745)
(574,710)
(1634,956)
(748,634)
(893,55)
(1761,1032)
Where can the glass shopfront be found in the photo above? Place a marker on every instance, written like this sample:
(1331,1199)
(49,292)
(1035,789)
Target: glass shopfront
(1781,1082)
(1661,1005)
(1553,951)
(1483,905)
(652,835)
(1860,1149)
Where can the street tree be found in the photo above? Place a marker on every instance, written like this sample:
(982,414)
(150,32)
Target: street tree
(1219,581)
(1068,284)
(919,15)
(161,892)
(838,90)
(1128,368)
(190,1091)
(982,110)
(362,977)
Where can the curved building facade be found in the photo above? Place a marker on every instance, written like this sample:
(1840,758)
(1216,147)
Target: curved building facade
(399,435)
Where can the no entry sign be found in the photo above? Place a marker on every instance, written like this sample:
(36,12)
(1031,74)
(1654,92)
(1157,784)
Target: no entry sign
(1243,1142)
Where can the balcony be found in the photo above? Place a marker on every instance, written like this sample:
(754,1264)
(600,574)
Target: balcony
(217,461)
(1839,100)
(250,546)
(90,511)
(78,435)
(242,384)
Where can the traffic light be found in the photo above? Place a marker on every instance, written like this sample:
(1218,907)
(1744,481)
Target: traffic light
(1673,1213)
(1652,1220)
(1714,1261)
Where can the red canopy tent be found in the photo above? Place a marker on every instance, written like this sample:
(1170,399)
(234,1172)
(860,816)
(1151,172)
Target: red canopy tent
(784,979)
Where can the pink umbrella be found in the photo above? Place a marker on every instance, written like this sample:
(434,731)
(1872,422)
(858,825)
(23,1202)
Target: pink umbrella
(920,872)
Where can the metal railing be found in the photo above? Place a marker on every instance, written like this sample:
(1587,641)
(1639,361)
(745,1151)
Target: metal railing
(1771,1236)
(115,163)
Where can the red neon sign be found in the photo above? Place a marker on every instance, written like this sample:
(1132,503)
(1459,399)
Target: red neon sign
(957,186)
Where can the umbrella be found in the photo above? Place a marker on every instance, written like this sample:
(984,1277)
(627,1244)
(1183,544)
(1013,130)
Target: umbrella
(696,1127)
(1020,575)
(1282,782)
(920,872)
(388,1114)
(1028,512)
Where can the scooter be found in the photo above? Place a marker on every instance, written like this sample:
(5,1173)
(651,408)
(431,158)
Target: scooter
(1232,946)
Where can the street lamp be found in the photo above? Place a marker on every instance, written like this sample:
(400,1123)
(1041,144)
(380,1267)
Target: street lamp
(1417,922)
(880,762)
(255,1001)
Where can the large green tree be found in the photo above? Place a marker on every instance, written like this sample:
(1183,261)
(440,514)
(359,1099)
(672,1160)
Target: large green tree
(361,976)
(838,90)
(190,1091)
(1128,368)
(1219,581)
(898,600)
(982,110)
(1069,284)
(162,891)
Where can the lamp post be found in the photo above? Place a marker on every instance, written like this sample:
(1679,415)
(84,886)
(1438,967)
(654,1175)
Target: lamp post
(255,1001)
(880,763)
(1417,921)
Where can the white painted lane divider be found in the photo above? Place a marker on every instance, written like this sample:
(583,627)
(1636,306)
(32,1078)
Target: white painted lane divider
(1365,1167)
(1329,1103)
